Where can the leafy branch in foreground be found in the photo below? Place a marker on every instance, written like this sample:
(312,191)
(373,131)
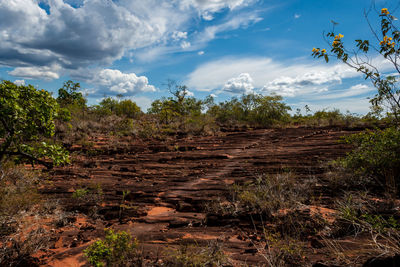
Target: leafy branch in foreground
(388,46)
(27,118)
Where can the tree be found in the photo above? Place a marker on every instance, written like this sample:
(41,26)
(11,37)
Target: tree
(387,44)
(254,109)
(27,117)
(176,107)
(119,107)
(68,95)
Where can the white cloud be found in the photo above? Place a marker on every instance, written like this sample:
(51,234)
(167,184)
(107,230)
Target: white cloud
(297,16)
(214,5)
(207,16)
(94,32)
(19,82)
(243,84)
(185,45)
(200,39)
(177,35)
(290,86)
(45,73)
(355,90)
(189,93)
(234,23)
(121,83)
(200,53)
(143,102)
(354,105)
(284,78)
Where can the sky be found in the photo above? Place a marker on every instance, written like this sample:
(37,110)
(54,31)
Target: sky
(223,48)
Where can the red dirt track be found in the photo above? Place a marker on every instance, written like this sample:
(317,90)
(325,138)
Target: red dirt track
(170,182)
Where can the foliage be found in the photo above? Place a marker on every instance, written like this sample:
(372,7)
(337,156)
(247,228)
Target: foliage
(253,109)
(195,256)
(376,157)
(69,95)
(27,117)
(177,106)
(80,193)
(388,37)
(126,108)
(325,117)
(269,194)
(363,215)
(117,249)
(281,251)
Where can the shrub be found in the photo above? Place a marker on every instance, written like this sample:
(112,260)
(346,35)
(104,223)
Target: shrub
(18,190)
(269,194)
(117,249)
(375,159)
(195,256)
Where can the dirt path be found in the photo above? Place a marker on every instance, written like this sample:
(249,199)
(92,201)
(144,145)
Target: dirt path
(169,184)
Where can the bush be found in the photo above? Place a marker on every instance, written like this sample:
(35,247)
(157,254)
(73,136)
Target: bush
(117,249)
(251,109)
(375,159)
(195,256)
(18,190)
(269,194)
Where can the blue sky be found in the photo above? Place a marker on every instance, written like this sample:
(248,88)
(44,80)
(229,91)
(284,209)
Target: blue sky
(221,47)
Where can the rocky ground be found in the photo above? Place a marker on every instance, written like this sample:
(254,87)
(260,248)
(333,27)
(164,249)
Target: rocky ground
(158,191)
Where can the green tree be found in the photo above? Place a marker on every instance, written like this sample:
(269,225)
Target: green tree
(69,95)
(254,109)
(387,44)
(27,118)
(119,107)
(176,107)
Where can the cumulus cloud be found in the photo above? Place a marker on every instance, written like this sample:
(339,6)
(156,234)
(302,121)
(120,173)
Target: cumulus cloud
(19,82)
(288,86)
(200,53)
(243,84)
(121,83)
(270,76)
(45,73)
(76,34)
(297,16)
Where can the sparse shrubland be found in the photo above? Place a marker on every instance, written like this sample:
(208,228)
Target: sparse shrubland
(279,213)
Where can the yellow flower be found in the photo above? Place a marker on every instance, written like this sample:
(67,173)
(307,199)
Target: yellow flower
(323,51)
(315,50)
(335,43)
(382,43)
(339,36)
(385,11)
